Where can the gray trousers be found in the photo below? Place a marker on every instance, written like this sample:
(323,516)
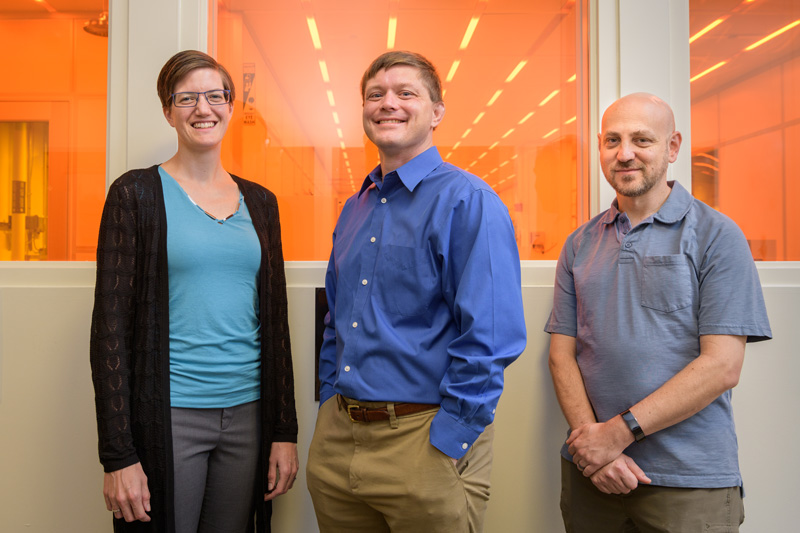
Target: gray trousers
(215,455)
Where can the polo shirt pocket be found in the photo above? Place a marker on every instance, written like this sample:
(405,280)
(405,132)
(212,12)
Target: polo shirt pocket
(407,285)
(666,283)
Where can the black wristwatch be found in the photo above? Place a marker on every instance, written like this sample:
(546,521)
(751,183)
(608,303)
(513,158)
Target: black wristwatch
(633,424)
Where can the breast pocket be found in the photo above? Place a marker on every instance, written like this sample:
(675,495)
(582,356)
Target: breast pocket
(408,283)
(667,283)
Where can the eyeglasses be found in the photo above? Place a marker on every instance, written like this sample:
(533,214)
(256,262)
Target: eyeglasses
(215,97)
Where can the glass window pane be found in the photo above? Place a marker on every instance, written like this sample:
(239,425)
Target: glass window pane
(52,129)
(514,79)
(745,67)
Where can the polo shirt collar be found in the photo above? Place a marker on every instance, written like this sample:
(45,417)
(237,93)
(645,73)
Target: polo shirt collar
(410,174)
(674,208)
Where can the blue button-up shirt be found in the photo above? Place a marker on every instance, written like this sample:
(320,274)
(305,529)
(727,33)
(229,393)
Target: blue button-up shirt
(425,298)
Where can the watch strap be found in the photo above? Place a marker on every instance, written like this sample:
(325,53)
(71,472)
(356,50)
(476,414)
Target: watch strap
(633,425)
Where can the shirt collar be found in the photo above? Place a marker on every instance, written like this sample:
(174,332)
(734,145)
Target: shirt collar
(410,174)
(672,210)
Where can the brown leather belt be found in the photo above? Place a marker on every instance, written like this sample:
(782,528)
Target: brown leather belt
(358,413)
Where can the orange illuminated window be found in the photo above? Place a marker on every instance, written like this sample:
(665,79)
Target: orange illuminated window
(52,128)
(745,72)
(514,79)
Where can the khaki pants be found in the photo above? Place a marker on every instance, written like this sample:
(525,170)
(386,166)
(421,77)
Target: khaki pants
(647,509)
(372,477)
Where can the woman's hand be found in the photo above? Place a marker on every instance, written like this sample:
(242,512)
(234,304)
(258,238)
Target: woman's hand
(126,493)
(283,467)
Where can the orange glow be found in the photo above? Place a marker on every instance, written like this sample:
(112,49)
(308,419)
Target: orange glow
(772,35)
(707,71)
(707,29)
(313,156)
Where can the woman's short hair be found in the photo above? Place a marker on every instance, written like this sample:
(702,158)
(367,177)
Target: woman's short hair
(180,65)
(430,78)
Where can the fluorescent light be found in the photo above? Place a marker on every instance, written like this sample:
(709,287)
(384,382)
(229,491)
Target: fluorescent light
(482,155)
(772,35)
(551,132)
(344,154)
(506,134)
(452,72)
(549,97)
(473,23)
(336,118)
(324,69)
(570,121)
(705,30)
(495,97)
(493,145)
(339,133)
(392,32)
(706,71)
(448,155)
(312,29)
(456,145)
(330,98)
(504,163)
(466,133)
(479,117)
(525,118)
(342,146)
(473,164)
(516,70)
(572,78)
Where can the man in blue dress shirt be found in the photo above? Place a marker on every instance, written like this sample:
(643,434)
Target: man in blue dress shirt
(423,287)
(654,301)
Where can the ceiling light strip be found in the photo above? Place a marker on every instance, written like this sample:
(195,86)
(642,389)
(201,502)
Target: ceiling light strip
(772,35)
(707,71)
(707,29)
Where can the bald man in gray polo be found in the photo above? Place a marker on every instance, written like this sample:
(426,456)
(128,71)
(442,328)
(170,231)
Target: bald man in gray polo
(654,301)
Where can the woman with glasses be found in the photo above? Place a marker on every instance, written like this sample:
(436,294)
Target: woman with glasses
(190,347)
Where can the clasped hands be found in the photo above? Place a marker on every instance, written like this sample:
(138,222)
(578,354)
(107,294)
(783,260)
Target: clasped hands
(596,450)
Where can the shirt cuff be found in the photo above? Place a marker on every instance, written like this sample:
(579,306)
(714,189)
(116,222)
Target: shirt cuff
(450,437)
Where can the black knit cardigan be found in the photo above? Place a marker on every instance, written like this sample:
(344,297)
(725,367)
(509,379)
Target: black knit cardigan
(129,347)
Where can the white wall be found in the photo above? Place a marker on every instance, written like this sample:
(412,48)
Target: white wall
(51,479)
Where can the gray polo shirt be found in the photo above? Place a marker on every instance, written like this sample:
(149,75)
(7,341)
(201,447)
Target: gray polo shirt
(637,300)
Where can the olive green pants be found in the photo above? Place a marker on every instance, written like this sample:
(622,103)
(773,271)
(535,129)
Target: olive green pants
(647,509)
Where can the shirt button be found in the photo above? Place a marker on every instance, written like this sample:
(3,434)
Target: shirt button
(355,324)
(347,368)
(494,411)
(628,245)
(383,200)
(363,282)
(372,239)
(464,446)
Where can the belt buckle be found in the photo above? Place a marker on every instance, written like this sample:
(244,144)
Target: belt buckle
(350,409)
